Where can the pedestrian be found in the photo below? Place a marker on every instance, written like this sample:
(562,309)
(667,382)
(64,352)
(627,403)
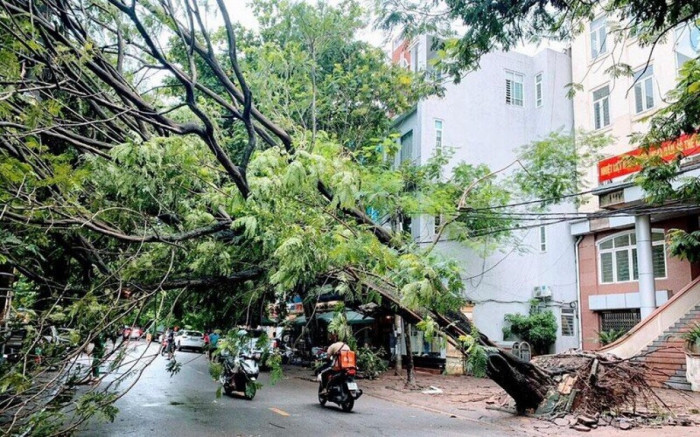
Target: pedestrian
(164,341)
(171,342)
(213,340)
(206,342)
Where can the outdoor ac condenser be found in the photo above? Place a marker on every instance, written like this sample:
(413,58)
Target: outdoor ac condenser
(543,292)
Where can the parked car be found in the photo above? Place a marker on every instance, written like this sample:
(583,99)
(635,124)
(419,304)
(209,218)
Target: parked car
(190,340)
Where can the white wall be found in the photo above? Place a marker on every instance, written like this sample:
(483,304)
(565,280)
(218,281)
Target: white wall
(483,129)
(591,73)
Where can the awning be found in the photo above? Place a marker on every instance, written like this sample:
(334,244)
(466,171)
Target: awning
(354,318)
(301,320)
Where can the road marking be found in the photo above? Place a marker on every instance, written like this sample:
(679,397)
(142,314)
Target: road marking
(280,412)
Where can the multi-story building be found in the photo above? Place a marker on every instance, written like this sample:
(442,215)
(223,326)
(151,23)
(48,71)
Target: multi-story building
(512,100)
(624,270)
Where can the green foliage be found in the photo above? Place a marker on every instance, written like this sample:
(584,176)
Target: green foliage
(173,367)
(692,336)
(609,336)
(216,370)
(477,357)
(339,327)
(472,28)
(553,168)
(539,328)
(371,362)
(101,404)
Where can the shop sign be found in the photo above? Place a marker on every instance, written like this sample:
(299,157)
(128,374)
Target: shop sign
(612,198)
(621,165)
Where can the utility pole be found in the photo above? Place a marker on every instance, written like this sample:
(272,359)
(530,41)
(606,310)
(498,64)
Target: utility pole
(398,330)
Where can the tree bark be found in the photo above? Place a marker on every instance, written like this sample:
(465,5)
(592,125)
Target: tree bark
(410,374)
(398,328)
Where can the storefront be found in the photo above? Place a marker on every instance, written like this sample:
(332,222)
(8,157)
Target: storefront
(624,267)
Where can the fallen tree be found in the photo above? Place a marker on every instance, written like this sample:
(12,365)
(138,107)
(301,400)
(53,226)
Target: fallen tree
(121,197)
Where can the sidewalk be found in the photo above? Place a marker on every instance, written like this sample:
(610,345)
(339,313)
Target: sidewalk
(475,399)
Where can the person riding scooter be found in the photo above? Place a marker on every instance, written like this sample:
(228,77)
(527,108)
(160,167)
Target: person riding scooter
(332,354)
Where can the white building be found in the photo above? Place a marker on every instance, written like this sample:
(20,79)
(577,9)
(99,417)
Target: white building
(625,271)
(512,100)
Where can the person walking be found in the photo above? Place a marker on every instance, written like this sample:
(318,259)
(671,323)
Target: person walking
(164,341)
(171,342)
(206,341)
(213,340)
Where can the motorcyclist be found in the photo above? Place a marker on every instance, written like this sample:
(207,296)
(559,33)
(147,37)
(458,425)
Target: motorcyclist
(332,354)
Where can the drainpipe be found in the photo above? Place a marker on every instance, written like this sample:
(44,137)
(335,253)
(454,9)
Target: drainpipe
(578,294)
(645,265)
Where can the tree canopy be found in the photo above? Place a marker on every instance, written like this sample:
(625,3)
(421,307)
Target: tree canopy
(147,160)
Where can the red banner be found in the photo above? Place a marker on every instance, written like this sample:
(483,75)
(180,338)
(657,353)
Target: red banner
(617,166)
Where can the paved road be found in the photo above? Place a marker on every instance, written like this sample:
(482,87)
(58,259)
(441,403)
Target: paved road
(186,405)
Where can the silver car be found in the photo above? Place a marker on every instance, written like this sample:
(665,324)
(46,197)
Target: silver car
(187,339)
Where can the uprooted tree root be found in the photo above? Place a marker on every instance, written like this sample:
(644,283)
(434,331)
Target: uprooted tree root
(594,384)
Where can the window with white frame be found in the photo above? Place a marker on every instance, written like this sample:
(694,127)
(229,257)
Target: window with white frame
(601,107)
(644,89)
(617,257)
(538,90)
(599,34)
(567,322)
(687,43)
(514,88)
(543,239)
(438,135)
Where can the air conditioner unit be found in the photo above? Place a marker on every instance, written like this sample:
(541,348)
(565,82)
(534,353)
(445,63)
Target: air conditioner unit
(543,292)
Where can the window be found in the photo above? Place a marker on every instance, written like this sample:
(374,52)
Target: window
(514,88)
(543,239)
(567,322)
(406,147)
(413,58)
(644,89)
(438,223)
(438,135)
(687,43)
(601,107)
(538,90)
(618,257)
(598,37)
(623,320)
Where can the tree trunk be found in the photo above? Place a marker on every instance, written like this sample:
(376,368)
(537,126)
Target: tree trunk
(410,375)
(398,328)
(526,383)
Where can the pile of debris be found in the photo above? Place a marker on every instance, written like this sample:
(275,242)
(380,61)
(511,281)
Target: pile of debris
(592,390)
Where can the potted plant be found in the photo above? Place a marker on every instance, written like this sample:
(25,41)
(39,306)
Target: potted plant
(692,356)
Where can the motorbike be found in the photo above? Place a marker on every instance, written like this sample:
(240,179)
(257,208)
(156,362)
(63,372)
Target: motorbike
(240,373)
(341,386)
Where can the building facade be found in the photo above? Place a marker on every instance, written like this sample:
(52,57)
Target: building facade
(512,100)
(624,269)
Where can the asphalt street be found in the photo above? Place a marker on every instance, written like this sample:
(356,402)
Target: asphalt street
(186,405)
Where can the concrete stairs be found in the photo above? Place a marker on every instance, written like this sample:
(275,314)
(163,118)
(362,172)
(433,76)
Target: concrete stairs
(665,357)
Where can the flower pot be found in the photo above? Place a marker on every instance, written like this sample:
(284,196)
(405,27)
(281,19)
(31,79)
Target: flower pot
(692,365)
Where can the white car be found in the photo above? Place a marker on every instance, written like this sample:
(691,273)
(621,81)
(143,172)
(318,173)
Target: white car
(190,340)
